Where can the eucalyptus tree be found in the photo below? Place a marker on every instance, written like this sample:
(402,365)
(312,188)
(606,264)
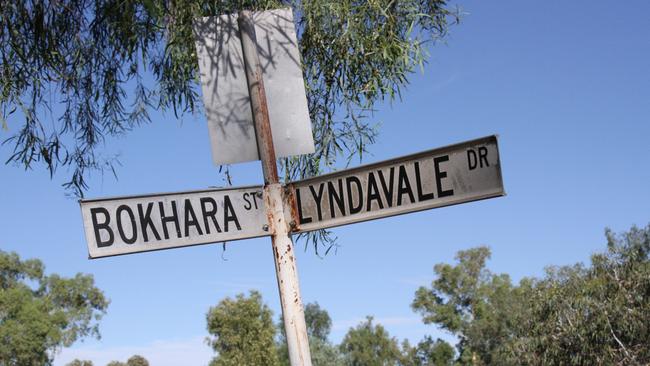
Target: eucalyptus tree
(74,73)
(242,331)
(596,314)
(41,313)
(319,325)
(369,344)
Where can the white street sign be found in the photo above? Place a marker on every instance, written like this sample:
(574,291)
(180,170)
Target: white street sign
(123,225)
(225,90)
(445,176)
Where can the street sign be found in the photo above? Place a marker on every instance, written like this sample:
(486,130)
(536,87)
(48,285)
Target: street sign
(459,173)
(225,90)
(254,97)
(123,225)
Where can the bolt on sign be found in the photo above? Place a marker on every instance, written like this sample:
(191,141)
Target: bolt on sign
(225,91)
(124,225)
(459,173)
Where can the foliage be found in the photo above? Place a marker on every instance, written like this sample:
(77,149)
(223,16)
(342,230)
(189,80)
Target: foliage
(369,344)
(243,331)
(597,315)
(472,303)
(319,324)
(575,315)
(137,360)
(41,313)
(73,72)
(428,352)
(318,321)
(79,363)
(324,353)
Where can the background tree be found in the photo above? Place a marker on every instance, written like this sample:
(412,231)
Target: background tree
(74,72)
(598,314)
(137,360)
(243,332)
(369,344)
(428,352)
(475,305)
(77,362)
(319,324)
(41,313)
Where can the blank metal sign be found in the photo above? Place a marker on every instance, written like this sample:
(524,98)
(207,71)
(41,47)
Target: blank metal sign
(123,225)
(454,174)
(225,91)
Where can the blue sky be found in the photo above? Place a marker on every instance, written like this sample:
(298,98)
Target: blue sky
(565,85)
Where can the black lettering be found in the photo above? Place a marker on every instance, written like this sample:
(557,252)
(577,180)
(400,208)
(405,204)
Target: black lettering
(317,199)
(373,192)
(418,183)
(301,218)
(472,161)
(357,182)
(403,186)
(97,226)
(166,219)
(247,205)
(134,228)
(229,214)
(388,190)
(440,175)
(145,221)
(254,194)
(189,213)
(336,196)
(209,213)
(482,156)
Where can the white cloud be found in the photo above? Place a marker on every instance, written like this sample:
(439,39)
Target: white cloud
(187,352)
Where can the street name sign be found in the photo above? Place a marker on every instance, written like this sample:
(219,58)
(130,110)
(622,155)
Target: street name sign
(459,173)
(124,225)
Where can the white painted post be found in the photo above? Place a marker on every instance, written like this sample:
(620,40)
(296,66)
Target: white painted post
(283,253)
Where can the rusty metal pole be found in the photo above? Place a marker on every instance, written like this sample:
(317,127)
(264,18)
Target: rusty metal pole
(283,253)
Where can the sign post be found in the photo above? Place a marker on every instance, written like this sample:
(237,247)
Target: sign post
(285,262)
(454,174)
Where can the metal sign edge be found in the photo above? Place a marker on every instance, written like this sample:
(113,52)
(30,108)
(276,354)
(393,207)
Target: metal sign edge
(182,246)
(402,158)
(145,195)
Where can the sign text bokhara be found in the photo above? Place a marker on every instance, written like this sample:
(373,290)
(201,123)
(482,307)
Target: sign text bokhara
(124,225)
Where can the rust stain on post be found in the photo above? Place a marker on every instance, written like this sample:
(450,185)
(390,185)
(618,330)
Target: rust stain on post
(270,205)
(290,201)
(258,97)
